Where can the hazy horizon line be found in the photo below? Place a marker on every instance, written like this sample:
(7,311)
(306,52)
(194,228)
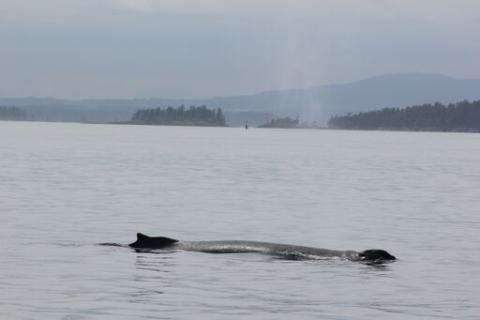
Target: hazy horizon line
(242,94)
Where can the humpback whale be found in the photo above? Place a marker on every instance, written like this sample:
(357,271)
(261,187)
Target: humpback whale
(293,252)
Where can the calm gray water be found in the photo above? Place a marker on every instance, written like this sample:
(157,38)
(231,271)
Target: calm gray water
(66,187)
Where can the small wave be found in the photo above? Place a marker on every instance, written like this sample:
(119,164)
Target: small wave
(111,244)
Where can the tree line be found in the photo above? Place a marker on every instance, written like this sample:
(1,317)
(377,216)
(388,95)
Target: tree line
(460,116)
(12,113)
(196,116)
(286,122)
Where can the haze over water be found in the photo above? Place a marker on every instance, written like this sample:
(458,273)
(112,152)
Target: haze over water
(66,187)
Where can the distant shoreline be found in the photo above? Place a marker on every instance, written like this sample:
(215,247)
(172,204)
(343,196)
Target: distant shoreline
(171,124)
(241,127)
(462,116)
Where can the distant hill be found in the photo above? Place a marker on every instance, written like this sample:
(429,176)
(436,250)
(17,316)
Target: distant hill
(322,102)
(311,104)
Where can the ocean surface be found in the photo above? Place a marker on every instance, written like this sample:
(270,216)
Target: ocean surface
(64,188)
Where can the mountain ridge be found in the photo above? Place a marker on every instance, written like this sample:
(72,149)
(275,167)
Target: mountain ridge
(316,103)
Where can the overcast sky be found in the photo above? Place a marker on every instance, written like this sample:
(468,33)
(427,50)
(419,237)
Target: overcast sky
(196,49)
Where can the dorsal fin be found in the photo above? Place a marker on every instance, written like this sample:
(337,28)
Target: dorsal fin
(144,241)
(141,236)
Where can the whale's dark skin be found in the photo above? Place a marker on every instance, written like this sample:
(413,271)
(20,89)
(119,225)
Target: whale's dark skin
(293,252)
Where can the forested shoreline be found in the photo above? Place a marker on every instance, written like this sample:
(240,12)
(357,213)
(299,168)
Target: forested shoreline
(286,122)
(12,114)
(193,116)
(462,116)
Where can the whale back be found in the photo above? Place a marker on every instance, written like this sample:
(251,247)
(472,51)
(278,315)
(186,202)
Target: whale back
(144,241)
